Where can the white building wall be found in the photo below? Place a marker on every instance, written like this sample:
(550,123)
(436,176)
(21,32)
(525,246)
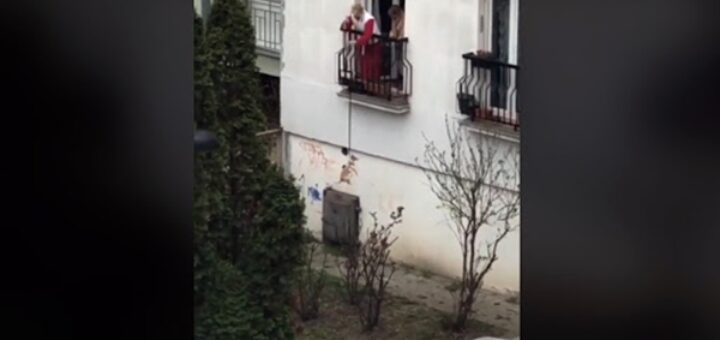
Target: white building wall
(425,239)
(439,33)
(316,121)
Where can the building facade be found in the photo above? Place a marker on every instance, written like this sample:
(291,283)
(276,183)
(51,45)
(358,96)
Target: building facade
(436,72)
(458,60)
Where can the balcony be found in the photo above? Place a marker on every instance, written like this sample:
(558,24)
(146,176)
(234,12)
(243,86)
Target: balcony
(267,17)
(377,75)
(487,91)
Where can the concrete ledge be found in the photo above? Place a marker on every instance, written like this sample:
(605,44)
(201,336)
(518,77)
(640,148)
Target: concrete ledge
(492,129)
(270,53)
(396,106)
(268,65)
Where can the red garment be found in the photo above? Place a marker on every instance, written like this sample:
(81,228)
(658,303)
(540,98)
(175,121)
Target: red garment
(371,53)
(346,25)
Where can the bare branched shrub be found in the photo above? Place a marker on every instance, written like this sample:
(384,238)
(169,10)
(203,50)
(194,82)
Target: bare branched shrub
(474,183)
(376,268)
(309,285)
(349,267)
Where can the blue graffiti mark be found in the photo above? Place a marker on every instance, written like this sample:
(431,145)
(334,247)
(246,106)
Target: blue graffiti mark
(314,193)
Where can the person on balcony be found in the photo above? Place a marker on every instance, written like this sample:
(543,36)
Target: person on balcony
(397,17)
(369,48)
(397,31)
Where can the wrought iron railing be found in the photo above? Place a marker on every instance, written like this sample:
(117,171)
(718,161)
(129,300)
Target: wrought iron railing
(488,90)
(380,68)
(267,17)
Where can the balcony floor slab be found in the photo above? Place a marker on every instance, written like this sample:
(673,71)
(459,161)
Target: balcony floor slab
(398,106)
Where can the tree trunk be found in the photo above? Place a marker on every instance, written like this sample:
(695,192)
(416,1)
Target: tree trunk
(461,318)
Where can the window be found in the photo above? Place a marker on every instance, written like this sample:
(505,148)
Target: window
(270,103)
(499,29)
(488,89)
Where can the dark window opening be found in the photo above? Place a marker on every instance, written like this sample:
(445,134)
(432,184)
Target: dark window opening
(384,17)
(379,9)
(501,51)
(501,30)
(270,102)
(393,52)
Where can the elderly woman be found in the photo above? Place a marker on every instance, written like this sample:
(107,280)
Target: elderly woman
(370,51)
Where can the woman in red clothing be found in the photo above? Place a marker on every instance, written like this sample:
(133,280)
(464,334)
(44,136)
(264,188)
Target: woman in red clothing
(370,51)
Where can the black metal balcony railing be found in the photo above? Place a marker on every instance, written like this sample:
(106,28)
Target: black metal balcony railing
(267,17)
(488,90)
(379,69)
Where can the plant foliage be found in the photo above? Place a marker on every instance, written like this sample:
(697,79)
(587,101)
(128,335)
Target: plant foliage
(247,216)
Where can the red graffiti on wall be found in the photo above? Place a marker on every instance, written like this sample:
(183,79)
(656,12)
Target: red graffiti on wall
(316,155)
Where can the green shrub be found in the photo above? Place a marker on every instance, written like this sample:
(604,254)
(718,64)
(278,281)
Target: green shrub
(248,217)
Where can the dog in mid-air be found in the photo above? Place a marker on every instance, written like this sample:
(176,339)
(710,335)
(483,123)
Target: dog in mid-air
(348,170)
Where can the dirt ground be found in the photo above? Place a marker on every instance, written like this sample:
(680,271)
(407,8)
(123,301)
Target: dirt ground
(423,298)
(401,319)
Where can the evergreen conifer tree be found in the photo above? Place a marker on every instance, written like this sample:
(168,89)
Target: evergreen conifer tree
(249,217)
(220,304)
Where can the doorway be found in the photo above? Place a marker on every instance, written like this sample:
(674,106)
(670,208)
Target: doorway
(498,29)
(379,9)
(499,36)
